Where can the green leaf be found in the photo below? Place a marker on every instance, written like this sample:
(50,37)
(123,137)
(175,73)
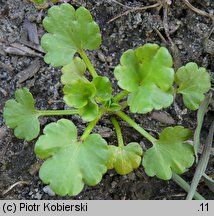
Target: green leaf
(146,69)
(202,164)
(169,154)
(124,159)
(78,93)
(114,107)
(21,115)
(103,88)
(90,111)
(183,184)
(148,97)
(193,82)
(69,31)
(200,119)
(81,95)
(73,71)
(70,163)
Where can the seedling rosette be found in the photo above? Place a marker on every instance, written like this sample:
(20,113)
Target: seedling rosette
(146,77)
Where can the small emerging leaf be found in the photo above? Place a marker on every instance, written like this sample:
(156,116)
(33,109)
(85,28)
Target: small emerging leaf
(103,88)
(169,154)
(80,94)
(148,75)
(114,107)
(69,31)
(193,82)
(73,71)
(21,115)
(90,111)
(125,159)
(70,164)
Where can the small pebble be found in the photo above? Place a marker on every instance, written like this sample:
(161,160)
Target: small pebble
(3,132)
(34,168)
(180,47)
(109,59)
(113,184)
(30,193)
(131,176)
(48,191)
(38,196)
(138,18)
(101,56)
(209,47)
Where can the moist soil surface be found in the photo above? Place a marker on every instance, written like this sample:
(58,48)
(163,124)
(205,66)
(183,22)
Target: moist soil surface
(22,65)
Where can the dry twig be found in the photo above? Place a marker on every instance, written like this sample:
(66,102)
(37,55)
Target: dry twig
(198,11)
(121,4)
(14,185)
(202,13)
(134,10)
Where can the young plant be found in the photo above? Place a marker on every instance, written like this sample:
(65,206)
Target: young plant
(147,78)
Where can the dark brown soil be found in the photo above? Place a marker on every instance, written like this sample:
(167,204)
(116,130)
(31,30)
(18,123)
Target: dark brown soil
(188,31)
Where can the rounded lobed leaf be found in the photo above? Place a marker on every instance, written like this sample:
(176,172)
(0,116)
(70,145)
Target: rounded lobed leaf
(20,115)
(103,88)
(193,82)
(146,69)
(71,164)
(81,95)
(55,132)
(113,107)
(148,97)
(73,71)
(169,154)
(90,111)
(78,93)
(68,31)
(149,63)
(124,159)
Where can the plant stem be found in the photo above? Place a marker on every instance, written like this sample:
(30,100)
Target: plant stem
(88,63)
(183,184)
(57,112)
(91,125)
(120,96)
(202,164)
(200,118)
(118,131)
(137,127)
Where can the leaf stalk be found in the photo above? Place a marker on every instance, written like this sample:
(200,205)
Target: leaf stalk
(88,63)
(120,96)
(200,118)
(137,127)
(183,184)
(91,125)
(57,112)
(118,131)
(202,164)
